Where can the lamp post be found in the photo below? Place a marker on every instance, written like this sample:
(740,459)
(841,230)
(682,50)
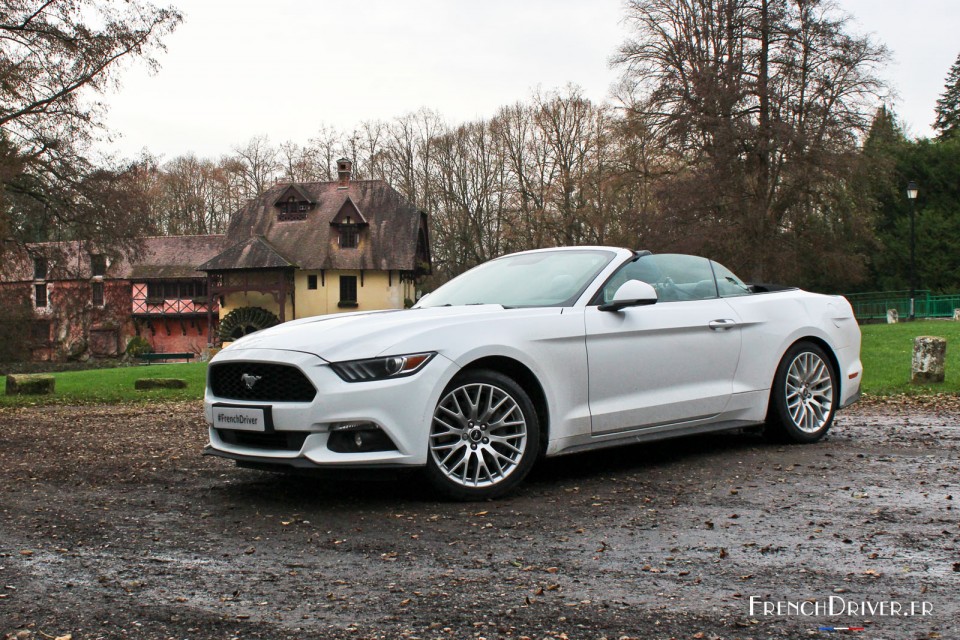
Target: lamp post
(912,197)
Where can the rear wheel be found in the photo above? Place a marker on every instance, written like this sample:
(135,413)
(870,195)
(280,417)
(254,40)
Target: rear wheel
(804,395)
(484,436)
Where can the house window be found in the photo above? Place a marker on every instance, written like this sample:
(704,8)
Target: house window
(177,290)
(40,331)
(348,291)
(98,264)
(293,209)
(195,289)
(158,290)
(97,294)
(348,236)
(40,269)
(311,282)
(40,293)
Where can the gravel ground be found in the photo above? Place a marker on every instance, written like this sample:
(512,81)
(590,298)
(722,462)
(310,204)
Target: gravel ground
(113,526)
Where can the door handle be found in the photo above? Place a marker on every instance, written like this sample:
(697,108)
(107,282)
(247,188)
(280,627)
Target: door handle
(722,325)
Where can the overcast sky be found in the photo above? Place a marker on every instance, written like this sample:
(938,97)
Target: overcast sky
(240,68)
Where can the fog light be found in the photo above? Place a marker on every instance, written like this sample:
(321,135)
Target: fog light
(358,437)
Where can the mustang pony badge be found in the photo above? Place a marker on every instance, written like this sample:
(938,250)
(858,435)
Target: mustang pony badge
(250,380)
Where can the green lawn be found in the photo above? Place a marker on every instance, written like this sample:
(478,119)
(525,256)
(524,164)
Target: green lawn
(887,351)
(886,355)
(115,385)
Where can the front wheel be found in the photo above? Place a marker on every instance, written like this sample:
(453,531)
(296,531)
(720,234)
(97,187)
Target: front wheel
(484,436)
(804,395)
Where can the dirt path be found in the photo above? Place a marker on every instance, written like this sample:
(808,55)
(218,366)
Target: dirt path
(113,526)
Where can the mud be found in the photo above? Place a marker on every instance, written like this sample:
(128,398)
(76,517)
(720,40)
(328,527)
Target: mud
(113,526)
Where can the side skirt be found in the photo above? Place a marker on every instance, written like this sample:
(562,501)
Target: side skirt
(578,444)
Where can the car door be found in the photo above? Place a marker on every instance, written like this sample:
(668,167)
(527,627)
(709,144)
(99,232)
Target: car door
(670,362)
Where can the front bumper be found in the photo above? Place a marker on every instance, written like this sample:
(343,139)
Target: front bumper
(402,408)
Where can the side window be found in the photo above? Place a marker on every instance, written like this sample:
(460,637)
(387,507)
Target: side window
(676,277)
(643,269)
(728,284)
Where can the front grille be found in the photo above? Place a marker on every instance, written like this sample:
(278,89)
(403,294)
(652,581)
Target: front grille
(274,382)
(275,441)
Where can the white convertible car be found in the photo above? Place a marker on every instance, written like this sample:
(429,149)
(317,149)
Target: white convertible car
(540,353)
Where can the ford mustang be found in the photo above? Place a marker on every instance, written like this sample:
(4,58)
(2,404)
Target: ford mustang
(534,354)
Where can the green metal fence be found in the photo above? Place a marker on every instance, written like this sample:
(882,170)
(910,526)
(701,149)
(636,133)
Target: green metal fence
(874,305)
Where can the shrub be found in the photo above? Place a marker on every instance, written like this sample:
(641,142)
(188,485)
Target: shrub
(138,346)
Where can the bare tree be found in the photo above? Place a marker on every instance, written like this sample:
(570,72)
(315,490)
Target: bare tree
(53,53)
(762,102)
(260,165)
(409,157)
(325,150)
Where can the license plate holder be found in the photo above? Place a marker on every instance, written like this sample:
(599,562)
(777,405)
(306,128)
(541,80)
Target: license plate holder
(242,417)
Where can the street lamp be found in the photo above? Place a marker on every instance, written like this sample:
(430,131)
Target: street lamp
(912,197)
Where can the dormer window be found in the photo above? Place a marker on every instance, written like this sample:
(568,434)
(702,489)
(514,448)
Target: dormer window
(348,223)
(40,269)
(292,208)
(293,203)
(349,236)
(98,265)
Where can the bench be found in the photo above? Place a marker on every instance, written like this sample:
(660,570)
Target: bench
(147,358)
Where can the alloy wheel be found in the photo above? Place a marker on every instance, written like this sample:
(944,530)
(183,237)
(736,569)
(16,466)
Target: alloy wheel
(809,392)
(478,435)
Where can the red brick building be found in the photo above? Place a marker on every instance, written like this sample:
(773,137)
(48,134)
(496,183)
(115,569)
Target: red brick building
(81,303)
(298,250)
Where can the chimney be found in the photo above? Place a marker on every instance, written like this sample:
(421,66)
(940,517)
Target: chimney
(344,169)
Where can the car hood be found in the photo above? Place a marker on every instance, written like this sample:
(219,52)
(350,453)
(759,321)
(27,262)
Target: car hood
(351,336)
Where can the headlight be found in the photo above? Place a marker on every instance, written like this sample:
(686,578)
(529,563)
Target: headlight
(381,368)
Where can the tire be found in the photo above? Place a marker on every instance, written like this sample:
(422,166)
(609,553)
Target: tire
(804,397)
(484,436)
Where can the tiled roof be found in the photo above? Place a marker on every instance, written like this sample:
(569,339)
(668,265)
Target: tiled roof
(159,257)
(257,240)
(389,242)
(252,253)
(172,257)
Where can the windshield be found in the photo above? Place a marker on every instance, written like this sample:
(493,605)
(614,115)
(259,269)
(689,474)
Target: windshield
(541,279)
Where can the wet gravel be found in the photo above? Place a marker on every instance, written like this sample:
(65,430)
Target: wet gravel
(113,526)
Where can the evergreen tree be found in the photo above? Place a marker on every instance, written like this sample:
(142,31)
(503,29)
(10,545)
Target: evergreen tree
(948,105)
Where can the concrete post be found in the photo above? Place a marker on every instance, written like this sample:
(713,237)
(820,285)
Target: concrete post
(929,354)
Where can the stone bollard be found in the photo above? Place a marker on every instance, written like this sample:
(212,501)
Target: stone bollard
(25,384)
(892,316)
(144,384)
(929,353)
(956,315)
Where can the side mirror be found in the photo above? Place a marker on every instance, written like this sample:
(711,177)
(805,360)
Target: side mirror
(632,293)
